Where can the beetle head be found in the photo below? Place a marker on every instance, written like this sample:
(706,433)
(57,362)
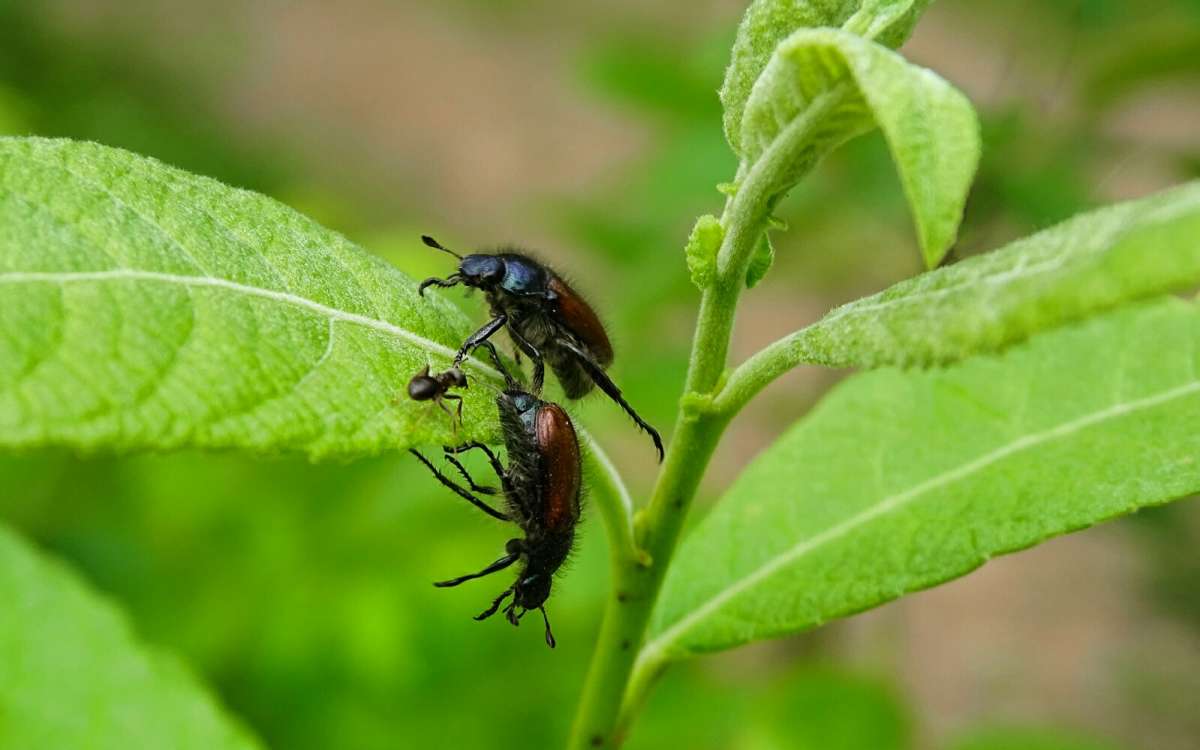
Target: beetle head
(531,592)
(481,270)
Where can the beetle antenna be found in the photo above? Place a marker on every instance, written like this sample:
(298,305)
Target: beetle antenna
(549,635)
(431,242)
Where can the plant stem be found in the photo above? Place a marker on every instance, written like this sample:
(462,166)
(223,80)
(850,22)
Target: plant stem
(616,506)
(636,582)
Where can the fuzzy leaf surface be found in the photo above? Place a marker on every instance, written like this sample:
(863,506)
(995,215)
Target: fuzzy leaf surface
(75,676)
(768,22)
(930,127)
(142,307)
(1087,264)
(900,480)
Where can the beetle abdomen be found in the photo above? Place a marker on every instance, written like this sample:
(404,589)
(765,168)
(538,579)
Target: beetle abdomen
(561,479)
(581,319)
(575,381)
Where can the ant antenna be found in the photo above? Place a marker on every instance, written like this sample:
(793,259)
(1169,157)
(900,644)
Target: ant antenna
(549,636)
(431,242)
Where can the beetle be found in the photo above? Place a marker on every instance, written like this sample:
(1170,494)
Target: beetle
(436,388)
(541,487)
(546,319)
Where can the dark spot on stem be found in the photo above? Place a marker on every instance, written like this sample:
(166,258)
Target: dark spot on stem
(597,740)
(625,644)
(622,597)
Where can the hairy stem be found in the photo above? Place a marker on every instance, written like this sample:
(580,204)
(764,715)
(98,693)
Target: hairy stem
(601,720)
(769,363)
(616,506)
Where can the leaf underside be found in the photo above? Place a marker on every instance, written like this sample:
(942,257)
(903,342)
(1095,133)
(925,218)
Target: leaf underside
(766,23)
(142,307)
(900,480)
(930,127)
(1090,263)
(75,677)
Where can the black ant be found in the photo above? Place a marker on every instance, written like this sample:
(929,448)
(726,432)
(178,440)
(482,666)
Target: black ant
(541,487)
(546,319)
(436,388)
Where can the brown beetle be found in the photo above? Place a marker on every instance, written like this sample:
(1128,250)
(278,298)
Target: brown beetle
(541,485)
(546,319)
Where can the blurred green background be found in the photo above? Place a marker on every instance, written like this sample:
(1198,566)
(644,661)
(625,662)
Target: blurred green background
(590,131)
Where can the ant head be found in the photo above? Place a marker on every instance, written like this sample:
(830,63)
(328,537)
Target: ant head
(456,377)
(422,387)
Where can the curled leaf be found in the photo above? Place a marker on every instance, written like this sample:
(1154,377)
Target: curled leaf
(930,127)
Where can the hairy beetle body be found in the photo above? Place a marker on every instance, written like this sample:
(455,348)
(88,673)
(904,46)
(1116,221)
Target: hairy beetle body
(547,320)
(541,486)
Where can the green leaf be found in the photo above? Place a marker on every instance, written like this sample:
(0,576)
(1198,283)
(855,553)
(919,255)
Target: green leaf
(75,676)
(701,250)
(769,22)
(142,307)
(1090,263)
(929,126)
(901,480)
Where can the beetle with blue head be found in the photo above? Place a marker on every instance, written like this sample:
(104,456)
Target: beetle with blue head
(547,320)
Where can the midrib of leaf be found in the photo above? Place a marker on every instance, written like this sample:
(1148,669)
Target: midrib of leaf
(331,313)
(656,650)
(916,299)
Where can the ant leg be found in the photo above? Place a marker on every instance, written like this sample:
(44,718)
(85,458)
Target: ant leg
(480,336)
(456,415)
(539,366)
(446,283)
(459,490)
(495,604)
(605,383)
(470,482)
(495,567)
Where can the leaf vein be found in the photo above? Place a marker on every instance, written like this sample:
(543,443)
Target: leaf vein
(656,649)
(333,313)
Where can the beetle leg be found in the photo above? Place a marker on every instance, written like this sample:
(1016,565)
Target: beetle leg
(470,482)
(495,567)
(459,490)
(496,465)
(539,366)
(496,604)
(509,382)
(605,383)
(451,280)
(480,336)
